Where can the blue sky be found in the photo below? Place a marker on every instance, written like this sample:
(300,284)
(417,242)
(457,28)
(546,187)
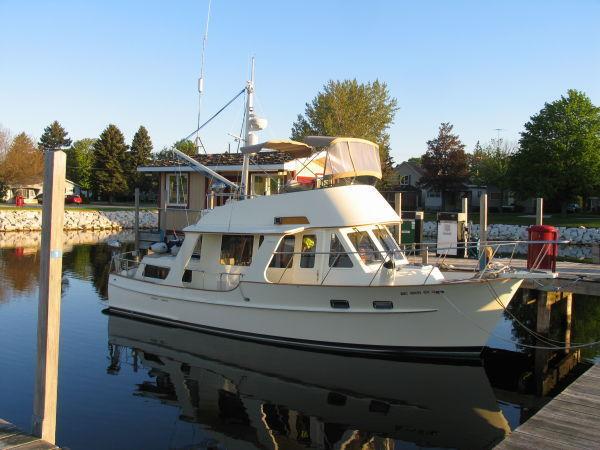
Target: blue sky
(480,65)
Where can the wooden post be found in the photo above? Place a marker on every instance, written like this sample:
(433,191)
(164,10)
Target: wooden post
(424,254)
(539,211)
(136,224)
(398,207)
(482,231)
(46,384)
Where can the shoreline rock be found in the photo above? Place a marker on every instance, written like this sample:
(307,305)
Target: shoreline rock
(28,220)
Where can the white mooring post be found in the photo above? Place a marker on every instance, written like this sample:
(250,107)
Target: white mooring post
(136,224)
(398,207)
(46,383)
(465,207)
(539,211)
(483,222)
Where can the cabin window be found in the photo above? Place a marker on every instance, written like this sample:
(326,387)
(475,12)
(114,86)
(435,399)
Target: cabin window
(261,238)
(197,248)
(156,272)
(338,256)
(367,251)
(387,241)
(177,189)
(282,258)
(309,248)
(236,249)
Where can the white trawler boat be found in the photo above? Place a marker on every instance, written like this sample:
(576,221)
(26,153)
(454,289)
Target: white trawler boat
(314,266)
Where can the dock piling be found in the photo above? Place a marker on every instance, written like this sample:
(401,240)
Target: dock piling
(46,384)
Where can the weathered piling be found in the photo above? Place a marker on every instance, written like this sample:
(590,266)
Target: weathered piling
(46,384)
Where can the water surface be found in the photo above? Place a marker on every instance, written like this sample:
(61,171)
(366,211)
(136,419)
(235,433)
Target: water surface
(125,384)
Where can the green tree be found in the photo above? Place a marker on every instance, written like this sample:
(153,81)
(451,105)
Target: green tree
(186,146)
(140,155)
(80,162)
(110,162)
(415,160)
(54,137)
(489,164)
(445,163)
(349,108)
(559,154)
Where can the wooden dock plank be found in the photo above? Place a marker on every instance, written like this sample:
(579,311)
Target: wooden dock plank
(12,438)
(16,440)
(571,420)
(524,441)
(38,445)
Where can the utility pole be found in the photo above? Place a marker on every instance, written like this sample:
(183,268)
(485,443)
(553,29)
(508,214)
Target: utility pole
(46,383)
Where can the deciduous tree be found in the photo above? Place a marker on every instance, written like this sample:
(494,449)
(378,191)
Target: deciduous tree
(186,146)
(489,164)
(54,137)
(445,163)
(23,163)
(109,178)
(559,154)
(80,162)
(349,108)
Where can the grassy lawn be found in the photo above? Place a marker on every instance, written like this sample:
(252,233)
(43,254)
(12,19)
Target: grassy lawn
(569,220)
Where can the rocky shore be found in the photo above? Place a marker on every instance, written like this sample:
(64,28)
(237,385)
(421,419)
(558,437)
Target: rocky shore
(581,238)
(31,220)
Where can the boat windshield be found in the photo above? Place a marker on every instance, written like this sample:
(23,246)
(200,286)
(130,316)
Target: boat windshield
(365,247)
(387,241)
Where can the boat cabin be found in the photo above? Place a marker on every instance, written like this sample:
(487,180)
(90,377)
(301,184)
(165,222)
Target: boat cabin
(327,228)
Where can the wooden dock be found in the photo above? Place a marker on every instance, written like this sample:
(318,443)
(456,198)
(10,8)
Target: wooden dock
(13,438)
(570,420)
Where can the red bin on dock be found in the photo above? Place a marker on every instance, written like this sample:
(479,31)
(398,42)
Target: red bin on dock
(19,200)
(542,255)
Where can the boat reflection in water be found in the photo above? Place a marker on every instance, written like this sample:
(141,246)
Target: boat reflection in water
(249,395)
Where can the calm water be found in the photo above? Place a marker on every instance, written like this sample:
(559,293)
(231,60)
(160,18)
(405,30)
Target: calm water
(130,385)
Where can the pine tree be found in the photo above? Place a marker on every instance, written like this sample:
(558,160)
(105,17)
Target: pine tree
(54,137)
(110,164)
(349,108)
(445,163)
(140,155)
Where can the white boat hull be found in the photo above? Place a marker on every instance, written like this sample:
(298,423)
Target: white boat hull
(453,317)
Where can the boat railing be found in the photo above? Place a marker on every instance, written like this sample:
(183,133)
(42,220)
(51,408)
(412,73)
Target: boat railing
(486,253)
(125,263)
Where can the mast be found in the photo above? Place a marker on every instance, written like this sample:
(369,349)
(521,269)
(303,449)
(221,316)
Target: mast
(251,137)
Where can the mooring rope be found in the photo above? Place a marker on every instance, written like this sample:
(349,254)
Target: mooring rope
(535,334)
(491,333)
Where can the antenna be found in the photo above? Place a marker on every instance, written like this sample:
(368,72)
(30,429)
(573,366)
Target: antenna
(201,79)
(498,130)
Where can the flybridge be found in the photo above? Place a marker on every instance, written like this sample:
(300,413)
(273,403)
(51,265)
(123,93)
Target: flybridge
(325,159)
